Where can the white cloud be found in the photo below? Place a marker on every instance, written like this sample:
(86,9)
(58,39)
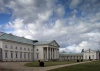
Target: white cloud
(45,20)
(60,11)
(74,3)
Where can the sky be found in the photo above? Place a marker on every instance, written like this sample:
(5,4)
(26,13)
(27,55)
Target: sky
(74,24)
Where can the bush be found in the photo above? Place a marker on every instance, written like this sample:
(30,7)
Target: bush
(81,60)
(78,61)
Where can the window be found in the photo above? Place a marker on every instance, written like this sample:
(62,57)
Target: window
(24,55)
(16,47)
(20,48)
(32,55)
(16,55)
(20,54)
(5,46)
(37,55)
(37,50)
(29,55)
(11,47)
(11,54)
(6,56)
(24,48)
(28,49)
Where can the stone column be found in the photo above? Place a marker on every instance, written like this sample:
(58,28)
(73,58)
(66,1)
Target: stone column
(50,52)
(55,53)
(47,53)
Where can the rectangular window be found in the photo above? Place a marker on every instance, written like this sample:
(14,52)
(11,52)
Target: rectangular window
(29,55)
(24,48)
(20,48)
(28,49)
(32,55)
(37,50)
(20,54)
(6,56)
(16,47)
(25,55)
(16,55)
(5,46)
(37,55)
(11,54)
(11,47)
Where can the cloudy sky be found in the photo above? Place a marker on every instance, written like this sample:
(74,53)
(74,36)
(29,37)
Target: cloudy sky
(74,24)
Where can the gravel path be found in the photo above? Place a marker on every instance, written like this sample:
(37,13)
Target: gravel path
(19,66)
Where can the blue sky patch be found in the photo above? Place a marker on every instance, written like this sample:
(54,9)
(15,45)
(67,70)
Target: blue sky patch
(4,18)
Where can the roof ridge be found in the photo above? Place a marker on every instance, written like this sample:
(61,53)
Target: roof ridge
(15,38)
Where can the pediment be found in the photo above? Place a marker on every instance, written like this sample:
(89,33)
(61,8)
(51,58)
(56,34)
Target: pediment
(54,43)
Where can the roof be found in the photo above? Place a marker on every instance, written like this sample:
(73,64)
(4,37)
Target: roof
(1,33)
(42,42)
(92,50)
(46,43)
(10,37)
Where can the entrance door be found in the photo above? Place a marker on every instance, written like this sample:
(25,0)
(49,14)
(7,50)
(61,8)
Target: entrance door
(89,57)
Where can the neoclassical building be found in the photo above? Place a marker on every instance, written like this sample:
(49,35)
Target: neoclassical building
(14,48)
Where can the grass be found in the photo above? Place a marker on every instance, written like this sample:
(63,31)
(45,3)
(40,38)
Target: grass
(92,66)
(50,63)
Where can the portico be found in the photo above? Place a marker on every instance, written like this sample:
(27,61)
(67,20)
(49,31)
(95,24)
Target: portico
(50,53)
(49,50)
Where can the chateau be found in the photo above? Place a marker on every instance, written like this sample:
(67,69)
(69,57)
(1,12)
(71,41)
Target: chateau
(14,48)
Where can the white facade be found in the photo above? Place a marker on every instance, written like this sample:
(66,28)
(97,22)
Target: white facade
(13,51)
(46,51)
(91,54)
(14,48)
(86,55)
(70,56)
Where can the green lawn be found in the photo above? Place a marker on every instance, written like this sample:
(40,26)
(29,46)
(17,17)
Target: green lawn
(51,63)
(92,66)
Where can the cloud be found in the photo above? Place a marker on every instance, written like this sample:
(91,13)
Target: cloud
(74,3)
(74,24)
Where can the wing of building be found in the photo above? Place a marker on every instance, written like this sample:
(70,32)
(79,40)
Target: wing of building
(91,54)
(14,48)
(86,55)
(70,56)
